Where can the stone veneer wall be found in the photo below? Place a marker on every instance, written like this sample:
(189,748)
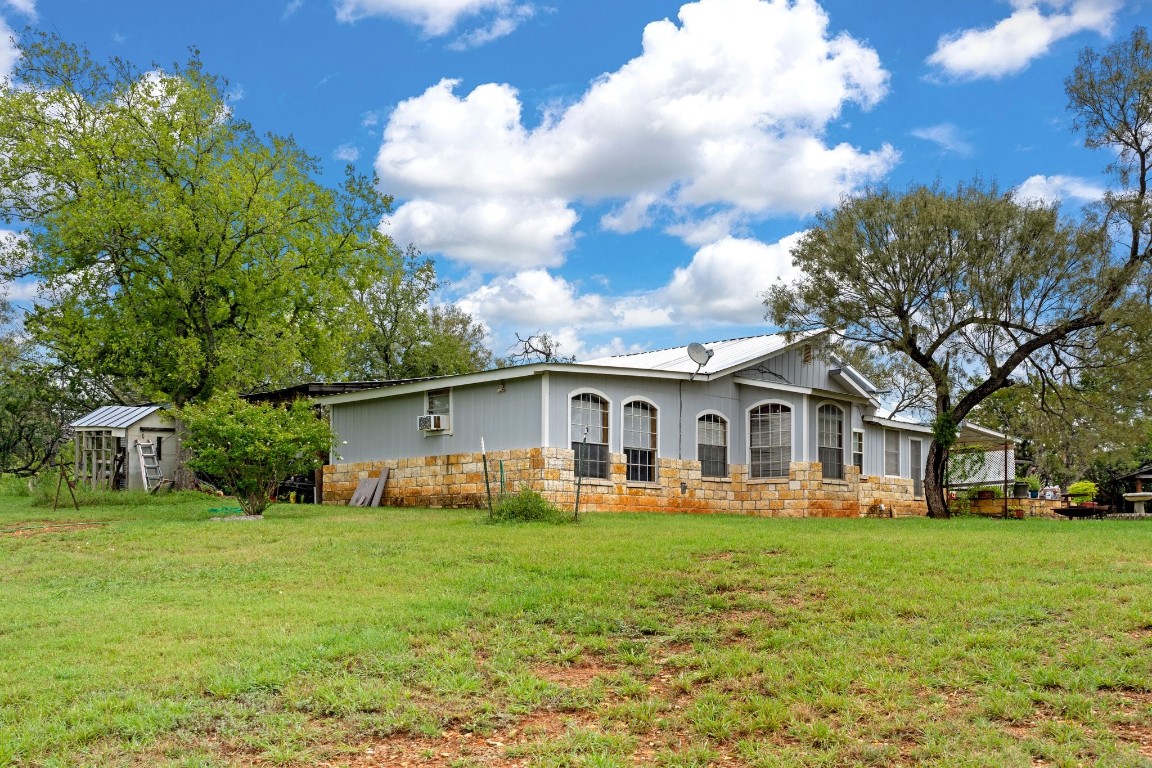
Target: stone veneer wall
(457,480)
(995,507)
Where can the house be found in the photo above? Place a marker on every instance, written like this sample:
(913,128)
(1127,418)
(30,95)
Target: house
(107,440)
(764,427)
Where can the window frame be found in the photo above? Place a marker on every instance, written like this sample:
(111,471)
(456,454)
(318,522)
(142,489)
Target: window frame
(727,445)
(791,444)
(916,468)
(428,409)
(888,453)
(634,471)
(604,461)
(820,447)
(858,455)
(445,411)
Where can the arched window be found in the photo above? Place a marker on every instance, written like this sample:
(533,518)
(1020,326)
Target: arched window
(830,445)
(712,445)
(590,419)
(770,440)
(640,441)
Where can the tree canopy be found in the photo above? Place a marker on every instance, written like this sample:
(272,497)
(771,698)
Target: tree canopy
(972,286)
(405,335)
(181,253)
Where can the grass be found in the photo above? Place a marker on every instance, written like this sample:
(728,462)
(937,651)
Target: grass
(151,635)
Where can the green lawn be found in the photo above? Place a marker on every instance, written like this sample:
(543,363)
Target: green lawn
(335,636)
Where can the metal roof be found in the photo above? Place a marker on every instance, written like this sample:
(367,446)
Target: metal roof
(728,354)
(1143,473)
(115,416)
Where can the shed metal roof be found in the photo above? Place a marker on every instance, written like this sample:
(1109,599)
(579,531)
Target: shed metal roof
(115,416)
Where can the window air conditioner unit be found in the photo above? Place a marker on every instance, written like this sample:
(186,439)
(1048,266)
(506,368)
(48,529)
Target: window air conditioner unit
(432,422)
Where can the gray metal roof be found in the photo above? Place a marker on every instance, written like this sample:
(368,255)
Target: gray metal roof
(728,354)
(115,416)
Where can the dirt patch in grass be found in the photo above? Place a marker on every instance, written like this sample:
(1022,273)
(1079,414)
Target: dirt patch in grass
(1142,633)
(714,556)
(455,747)
(1136,728)
(574,675)
(36,529)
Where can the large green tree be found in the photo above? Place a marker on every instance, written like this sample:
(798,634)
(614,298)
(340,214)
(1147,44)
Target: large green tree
(180,251)
(967,285)
(972,286)
(406,335)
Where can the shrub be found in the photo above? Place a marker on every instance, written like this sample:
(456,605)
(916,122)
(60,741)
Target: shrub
(1082,491)
(250,448)
(1033,482)
(526,506)
(997,491)
(11,485)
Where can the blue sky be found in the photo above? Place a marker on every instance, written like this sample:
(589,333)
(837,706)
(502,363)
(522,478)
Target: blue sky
(630,174)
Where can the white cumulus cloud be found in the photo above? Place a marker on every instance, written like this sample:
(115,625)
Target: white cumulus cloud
(1053,189)
(9,53)
(440,17)
(947,136)
(725,280)
(726,109)
(491,233)
(722,285)
(26,7)
(1011,44)
(291,8)
(348,153)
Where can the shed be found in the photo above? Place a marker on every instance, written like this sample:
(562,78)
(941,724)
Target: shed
(1141,476)
(107,455)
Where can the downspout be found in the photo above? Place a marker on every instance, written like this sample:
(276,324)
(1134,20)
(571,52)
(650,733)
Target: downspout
(680,425)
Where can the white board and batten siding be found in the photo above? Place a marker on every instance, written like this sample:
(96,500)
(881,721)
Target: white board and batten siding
(506,413)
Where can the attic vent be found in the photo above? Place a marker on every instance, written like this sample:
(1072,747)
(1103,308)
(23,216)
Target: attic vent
(806,354)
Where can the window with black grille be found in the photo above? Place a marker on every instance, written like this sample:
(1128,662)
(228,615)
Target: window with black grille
(712,445)
(640,441)
(589,432)
(770,440)
(830,445)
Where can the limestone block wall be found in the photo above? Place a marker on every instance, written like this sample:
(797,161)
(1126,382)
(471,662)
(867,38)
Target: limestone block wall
(995,507)
(887,496)
(457,480)
(453,480)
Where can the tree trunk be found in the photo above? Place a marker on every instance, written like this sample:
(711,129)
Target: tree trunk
(934,474)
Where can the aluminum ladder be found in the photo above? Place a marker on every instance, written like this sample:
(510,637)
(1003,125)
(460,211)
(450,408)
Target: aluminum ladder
(149,465)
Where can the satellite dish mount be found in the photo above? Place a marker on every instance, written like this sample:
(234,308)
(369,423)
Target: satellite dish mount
(700,355)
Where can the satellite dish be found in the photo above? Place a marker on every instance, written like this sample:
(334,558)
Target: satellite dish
(699,355)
